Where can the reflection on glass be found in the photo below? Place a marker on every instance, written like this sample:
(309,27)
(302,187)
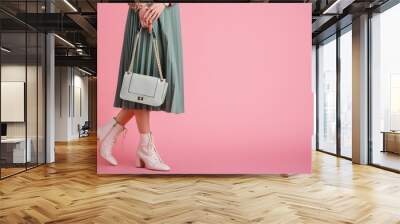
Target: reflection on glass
(346,94)
(386,89)
(327,96)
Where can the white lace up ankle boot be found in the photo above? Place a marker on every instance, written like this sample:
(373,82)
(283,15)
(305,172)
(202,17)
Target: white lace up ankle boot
(105,129)
(147,155)
(108,139)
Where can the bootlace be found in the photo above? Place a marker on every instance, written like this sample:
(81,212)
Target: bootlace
(152,145)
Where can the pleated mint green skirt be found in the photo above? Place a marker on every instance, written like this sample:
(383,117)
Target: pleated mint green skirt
(168,33)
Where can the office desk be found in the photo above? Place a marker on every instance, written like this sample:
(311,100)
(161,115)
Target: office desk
(13,150)
(391,141)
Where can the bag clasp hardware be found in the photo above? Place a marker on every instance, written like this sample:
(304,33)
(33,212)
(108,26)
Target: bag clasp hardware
(140,98)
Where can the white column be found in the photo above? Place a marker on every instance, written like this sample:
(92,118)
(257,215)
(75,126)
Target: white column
(50,93)
(360,89)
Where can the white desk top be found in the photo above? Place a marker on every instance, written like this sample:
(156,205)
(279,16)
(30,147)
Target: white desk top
(13,140)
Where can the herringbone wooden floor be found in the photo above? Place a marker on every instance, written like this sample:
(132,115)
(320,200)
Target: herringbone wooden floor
(70,191)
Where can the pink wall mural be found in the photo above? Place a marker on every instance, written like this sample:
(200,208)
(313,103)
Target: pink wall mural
(248,96)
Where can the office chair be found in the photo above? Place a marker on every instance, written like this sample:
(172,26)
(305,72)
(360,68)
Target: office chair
(84,130)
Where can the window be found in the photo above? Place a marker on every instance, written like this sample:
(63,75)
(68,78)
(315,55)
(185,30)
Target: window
(385,89)
(327,95)
(346,92)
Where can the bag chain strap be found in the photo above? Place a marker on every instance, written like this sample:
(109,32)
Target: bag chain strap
(156,52)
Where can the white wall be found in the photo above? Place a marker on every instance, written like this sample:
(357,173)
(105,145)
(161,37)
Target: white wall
(12,73)
(70,83)
(62,82)
(15,72)
(79,117)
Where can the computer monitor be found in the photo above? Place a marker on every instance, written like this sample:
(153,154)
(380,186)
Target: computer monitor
(3,129)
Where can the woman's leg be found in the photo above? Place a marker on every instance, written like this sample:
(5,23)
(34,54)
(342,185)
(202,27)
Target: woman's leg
(124,116)
(109,133)
(147,155)
(142,120)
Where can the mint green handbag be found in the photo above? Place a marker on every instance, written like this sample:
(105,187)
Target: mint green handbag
(144,89)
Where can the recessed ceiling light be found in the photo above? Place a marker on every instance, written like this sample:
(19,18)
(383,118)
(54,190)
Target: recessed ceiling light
(337,7)
(5,50)
(70,5)
(84,71)
(64,40)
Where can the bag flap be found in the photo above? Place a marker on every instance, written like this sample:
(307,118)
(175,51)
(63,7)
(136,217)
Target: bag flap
(143,85)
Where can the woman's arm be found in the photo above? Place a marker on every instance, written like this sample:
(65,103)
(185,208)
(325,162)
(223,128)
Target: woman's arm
(137,6)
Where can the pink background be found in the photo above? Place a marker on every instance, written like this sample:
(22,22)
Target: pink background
(248,99)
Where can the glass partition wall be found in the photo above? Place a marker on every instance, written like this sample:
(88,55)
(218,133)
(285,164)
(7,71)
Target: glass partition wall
(22,77)
(385,89)
(334,93)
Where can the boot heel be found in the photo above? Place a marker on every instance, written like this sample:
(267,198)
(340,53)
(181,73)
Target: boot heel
(139,163)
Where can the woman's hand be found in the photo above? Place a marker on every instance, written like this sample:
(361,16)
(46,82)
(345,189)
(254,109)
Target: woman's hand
(136,6)
(142,18)
(141,9)
(152,13)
